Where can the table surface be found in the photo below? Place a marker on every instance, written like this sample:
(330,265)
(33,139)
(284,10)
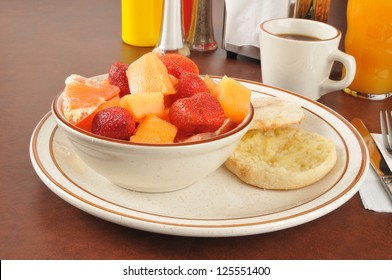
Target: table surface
(42,42)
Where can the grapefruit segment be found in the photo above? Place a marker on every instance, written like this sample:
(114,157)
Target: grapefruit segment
(82,97)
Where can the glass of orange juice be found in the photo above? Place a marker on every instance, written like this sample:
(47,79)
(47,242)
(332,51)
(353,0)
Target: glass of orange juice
(369,40)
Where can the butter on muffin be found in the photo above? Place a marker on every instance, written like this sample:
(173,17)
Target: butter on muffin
(276,155)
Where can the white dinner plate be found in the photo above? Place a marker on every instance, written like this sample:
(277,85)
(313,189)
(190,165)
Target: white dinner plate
(219,205)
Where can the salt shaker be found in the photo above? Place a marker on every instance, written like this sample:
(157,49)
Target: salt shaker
(172,34)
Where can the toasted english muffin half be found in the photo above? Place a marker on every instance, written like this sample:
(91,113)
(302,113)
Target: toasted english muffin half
(273,112)
(282,158)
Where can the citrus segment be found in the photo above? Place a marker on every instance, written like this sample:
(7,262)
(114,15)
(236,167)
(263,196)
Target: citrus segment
(82,97)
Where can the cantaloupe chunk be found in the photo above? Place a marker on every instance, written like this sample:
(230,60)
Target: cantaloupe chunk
(165,114)
(87,123)
(154,130)
(143,104)
(149,74)
(174,81)
(234,98)
(211,84)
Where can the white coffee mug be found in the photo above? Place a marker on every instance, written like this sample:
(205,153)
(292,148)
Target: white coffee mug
(298,55)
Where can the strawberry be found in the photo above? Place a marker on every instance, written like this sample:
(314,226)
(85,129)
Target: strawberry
(188,85)
(114,122)
(177,64)
(118,77)
(199,113)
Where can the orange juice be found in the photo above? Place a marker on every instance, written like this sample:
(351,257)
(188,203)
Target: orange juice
(141,22)
(369,40)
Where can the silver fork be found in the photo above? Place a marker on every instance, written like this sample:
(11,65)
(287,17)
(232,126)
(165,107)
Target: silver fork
(386,130)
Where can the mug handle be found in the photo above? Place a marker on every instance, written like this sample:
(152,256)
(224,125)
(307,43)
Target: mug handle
(349,64)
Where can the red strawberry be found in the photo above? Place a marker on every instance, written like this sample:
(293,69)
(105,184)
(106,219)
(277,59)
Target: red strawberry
(177,64)
(118,77)
(188,85)
(201,112)
(114,122)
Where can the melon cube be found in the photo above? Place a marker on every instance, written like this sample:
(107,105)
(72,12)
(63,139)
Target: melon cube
(154,130)
(149,74)
(234,98)
(143,104)
(211,84)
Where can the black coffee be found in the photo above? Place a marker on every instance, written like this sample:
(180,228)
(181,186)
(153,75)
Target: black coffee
(298,37)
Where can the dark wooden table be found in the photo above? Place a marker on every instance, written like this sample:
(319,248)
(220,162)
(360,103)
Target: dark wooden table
(42,42)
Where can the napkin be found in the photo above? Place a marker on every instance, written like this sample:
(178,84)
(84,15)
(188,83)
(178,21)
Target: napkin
(372,193)
(243,19)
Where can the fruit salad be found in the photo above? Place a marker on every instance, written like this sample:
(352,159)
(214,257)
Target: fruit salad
(157,99)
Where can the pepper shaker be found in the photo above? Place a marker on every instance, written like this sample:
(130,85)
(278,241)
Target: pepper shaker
(201,31)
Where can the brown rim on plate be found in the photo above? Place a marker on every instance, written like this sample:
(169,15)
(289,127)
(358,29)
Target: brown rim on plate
(206,224)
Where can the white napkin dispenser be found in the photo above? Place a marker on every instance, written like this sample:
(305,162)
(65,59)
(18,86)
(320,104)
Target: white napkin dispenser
(242,19)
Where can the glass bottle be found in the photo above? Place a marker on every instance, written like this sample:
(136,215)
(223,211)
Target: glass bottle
(172,34)
(369,40)
(312,9)
(187,14)
(201,31)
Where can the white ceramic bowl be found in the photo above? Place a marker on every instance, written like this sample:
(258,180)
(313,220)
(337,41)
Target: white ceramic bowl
(149,167)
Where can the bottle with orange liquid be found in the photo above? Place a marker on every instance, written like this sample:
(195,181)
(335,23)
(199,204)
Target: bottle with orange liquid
(369,40)
(141,22)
